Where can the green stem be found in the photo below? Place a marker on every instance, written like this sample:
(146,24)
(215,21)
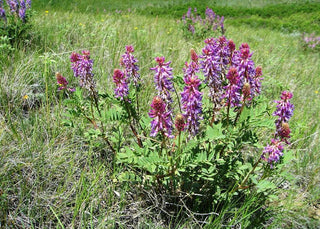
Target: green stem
(244,181)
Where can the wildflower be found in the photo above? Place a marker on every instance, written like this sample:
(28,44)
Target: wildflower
(22,10)
(25,97)
(284,112)
(63,83)
(214,62)
(273,152)
(131,68)
(47,11)
(232,90)
(247,71)
(3,14)
(82,68)
(28,4)
(162,79)
(14,6)
(161,118)
(121,81)
(191,97)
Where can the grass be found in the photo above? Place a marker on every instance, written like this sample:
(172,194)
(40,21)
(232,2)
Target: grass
(51,177)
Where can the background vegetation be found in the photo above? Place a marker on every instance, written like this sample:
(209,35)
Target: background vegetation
(51,177)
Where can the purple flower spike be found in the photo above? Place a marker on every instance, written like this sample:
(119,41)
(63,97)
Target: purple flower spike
(82,68)
(216,58)
(161,118)
(191,97)
(121,81)
(14,6)
(3,14)
(162,79)
(284,112)
(232,90)
(22,4)
(273,152)
(129,63)
(22,14)
(28,4)
(247,71)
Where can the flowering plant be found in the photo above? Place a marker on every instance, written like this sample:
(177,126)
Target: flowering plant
(311,41)
(194,26)
(207,146)
(14,20)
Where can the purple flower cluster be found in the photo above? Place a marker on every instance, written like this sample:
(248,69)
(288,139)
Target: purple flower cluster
(121,81)
(162,79)
(17,8)
(312,41)
(128,61)
(222,65)
(161,118)
(210,22)
(82,68)
(247,71)
(130,73)
(232,90)
(284,111)
(191,97)
(273,152)
(63,83)
(215,60)
(3,14)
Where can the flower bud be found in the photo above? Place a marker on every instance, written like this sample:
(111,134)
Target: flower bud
(246,90)
(179,122)
(194,56)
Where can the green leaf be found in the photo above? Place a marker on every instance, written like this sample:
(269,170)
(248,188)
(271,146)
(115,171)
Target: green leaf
(215,132)
(265,185)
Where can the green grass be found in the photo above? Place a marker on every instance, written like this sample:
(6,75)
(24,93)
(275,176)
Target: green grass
(51,177)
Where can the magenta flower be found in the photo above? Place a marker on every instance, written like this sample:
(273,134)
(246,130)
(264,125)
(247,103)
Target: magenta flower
(273,152)
(232,90)
(161,118)
(215,61)
(63,83)
(247,71)
(82,68)
(284,112)
(162,79)
(121,81)
(191,97)
(128,61)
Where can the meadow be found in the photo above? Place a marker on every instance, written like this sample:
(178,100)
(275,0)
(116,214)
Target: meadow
(54,174)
